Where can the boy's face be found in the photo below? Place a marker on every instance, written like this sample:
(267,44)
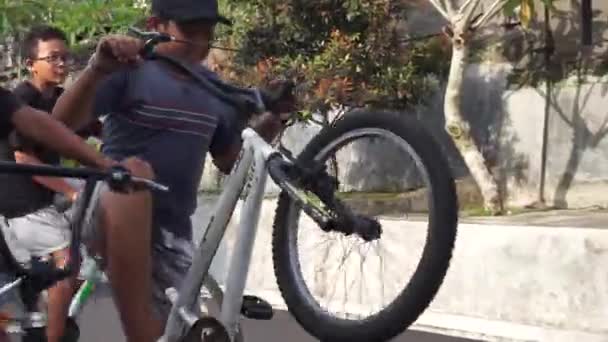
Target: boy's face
(196,31)
(51,63)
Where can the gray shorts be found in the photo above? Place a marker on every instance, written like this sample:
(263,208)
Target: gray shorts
(37,234)
(171,255)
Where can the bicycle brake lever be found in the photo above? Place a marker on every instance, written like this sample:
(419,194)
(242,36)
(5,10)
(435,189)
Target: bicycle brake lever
(151,39)
(150,184)
(147,35)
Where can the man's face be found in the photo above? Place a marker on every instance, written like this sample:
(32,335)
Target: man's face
(50,65)
(199,32)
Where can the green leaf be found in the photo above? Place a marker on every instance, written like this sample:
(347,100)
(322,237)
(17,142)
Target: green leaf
(510,6)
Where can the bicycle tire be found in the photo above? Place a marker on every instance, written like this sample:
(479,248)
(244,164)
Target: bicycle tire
(34,335)
(433,266)
(71,332)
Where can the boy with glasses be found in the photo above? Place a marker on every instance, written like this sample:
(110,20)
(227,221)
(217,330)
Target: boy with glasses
(45,231)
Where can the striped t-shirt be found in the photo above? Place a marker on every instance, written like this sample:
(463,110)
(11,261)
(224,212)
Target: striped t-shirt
(170,122)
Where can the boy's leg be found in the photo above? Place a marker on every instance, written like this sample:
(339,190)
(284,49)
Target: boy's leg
(45,233)
(171,260)
(126,229)
(60,297)
(119,229)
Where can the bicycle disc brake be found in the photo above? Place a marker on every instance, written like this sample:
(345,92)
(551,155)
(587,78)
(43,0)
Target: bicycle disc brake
(207,329)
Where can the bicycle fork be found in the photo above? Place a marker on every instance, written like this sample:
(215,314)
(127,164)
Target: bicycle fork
(91,276)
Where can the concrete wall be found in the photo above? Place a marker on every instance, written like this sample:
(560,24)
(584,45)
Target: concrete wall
(508,125)
(505,283)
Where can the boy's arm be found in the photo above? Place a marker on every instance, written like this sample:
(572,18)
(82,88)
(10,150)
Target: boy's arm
(55,136)
(53,183)
(9,104)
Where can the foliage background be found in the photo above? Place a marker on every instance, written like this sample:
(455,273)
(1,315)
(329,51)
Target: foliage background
(340,52)
(83,21)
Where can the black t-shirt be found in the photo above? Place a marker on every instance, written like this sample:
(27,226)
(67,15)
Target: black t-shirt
(20,194)
(9,104)
(34,98)
(31,96)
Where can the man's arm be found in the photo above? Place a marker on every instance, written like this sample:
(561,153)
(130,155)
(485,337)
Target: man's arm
(52,134)
(227,142)
(267,125)
(75,106)
(54,183)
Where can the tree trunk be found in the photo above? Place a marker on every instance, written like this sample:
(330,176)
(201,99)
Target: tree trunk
(459,129)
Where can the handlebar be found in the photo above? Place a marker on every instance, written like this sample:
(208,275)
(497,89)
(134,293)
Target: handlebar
(245,100)
(42,274)
(118,178)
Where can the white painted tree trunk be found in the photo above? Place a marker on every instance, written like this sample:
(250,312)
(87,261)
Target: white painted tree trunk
(459,129)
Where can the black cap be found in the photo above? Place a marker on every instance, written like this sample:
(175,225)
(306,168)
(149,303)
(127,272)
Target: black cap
(185,10)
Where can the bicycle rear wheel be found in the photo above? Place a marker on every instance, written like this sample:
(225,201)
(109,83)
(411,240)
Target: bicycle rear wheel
(427,277)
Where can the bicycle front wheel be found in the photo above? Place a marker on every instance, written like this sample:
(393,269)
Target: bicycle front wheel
(314,304)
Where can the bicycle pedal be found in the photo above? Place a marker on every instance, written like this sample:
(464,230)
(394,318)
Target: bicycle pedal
(256,308)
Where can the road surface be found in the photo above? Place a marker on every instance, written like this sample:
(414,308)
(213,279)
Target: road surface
(99,323)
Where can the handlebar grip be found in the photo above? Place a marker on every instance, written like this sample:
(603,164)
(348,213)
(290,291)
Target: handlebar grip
(150,184)
(120,178)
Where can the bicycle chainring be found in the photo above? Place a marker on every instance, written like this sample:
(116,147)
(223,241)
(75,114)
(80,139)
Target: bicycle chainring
(207,329)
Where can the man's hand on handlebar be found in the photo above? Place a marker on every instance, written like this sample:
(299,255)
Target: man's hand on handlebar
(115,52)
(281,103)
(281,98)
(137,168)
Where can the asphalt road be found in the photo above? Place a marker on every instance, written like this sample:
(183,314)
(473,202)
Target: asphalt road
(99,323)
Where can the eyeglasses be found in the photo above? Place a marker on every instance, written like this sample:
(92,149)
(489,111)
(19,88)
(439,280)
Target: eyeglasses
(56,59)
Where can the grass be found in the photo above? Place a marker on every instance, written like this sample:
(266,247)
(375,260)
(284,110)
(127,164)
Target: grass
(375,196)
(480,211)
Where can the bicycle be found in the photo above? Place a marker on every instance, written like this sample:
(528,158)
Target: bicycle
(32,324)
(92,276)
(306,185)
(27,282)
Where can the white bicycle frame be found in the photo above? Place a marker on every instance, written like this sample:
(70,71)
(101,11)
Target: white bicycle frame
(248,177)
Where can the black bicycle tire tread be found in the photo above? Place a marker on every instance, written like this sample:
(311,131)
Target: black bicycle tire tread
(433,266)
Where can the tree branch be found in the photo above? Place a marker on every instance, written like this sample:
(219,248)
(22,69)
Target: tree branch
(449,5)
(464,6)
(441,8)
(467,10)
(492,11)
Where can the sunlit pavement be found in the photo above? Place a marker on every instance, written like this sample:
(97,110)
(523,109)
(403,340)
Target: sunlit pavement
(99,323)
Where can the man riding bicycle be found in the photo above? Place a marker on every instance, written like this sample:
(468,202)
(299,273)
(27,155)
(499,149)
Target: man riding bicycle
(159,114)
